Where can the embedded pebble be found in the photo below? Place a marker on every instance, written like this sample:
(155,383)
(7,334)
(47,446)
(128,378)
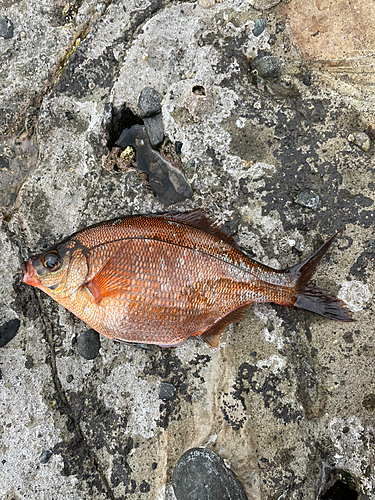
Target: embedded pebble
(306,80)
(259,25)
(155,129)
(69,378)
(6,28)
(267,66)
(88,344)
(166,391)
(201,474)
(8,331)
(149,102)
(45,456)
(360,139)
(307,199)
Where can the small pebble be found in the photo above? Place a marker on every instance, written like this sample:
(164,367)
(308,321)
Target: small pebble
(155,129)
(307,199)
(69,378)
(8,331)
(178,147)
(259,26)
(201,474)
(306,80)
(370,247)
(360,139)
(88,344)
(166,391)
(267,66)
(45,456)
(6,28)
(149,102)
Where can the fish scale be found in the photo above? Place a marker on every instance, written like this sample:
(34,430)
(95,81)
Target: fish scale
(161,279)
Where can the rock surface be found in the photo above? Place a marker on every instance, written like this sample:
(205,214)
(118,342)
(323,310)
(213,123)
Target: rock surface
(288,397)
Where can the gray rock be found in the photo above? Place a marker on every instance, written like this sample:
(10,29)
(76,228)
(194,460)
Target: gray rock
(149,102)
(155,129)
(166,391)
(45,456)
(307,199)
(88,344)
(6,28)
(267,66)
(259,25)
(8,331)
(200,474)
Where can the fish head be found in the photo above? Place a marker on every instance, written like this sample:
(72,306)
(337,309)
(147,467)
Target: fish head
(59,271)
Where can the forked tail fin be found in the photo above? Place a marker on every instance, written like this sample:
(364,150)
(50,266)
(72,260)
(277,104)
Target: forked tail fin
(312,299)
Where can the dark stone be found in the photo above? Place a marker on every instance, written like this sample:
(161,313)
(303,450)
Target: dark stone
(155,129)
(370,248)
(8,331)
(29,363)
(307,199)
(154,465)
(45,456)
(88,344)
(166,391)
(149,102)
(267,66)
(369,402)
(167,181)
(259,25)
(306,80)
(201,474)
(69,378)
(6,28)
(178,147)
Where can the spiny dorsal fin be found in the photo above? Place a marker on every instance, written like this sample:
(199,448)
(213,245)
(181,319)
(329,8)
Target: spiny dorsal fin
(199,219)
(212,335)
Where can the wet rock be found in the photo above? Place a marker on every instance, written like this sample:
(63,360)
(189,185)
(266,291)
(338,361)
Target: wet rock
(149,102)
(8,331)
(267,66)
(360,139)
(155,129)
(167,181)
(6,28)
(45,456)
(88,344)
(166,391)
(201,474)
(307,199)
(259,25)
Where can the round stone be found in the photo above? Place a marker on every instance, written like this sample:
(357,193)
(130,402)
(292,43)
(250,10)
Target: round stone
(267,66)
(201,474)
(45,456)
(88,344)
(166,391)
(6,28)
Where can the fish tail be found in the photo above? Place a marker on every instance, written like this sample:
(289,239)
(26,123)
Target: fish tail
(313,299)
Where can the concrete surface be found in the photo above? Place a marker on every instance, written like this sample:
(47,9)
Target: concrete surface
(288,398)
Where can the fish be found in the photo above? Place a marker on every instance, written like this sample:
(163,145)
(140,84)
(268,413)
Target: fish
(160,279)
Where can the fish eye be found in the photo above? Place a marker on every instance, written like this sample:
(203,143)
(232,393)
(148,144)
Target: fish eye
(51,261)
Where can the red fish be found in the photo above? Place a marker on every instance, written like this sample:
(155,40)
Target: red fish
(159,279)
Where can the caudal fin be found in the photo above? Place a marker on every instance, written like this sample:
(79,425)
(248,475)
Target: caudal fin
(312,299)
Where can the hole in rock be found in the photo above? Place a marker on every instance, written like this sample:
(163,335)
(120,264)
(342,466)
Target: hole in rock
(121,119)
(341,486)
(198,90)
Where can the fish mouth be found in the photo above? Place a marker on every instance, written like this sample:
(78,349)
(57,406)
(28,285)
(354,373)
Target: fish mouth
(29,273)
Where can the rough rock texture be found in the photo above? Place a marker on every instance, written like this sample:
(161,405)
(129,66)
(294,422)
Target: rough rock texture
(288,397)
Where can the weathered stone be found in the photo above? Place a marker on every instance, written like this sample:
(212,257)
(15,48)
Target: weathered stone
(307,199)
(155,129)
(267,66)
(88,344)
(360,139)
(166,391)
(201,473)
(45,456)
(259,25)
(149,102)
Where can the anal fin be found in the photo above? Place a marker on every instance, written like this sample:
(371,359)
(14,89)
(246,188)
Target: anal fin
(212,334)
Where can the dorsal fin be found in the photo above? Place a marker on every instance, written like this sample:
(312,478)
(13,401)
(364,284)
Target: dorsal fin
(212,335)
(199,219)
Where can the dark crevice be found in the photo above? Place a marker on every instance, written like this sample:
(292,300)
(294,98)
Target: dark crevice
(340,486)
(121,118)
